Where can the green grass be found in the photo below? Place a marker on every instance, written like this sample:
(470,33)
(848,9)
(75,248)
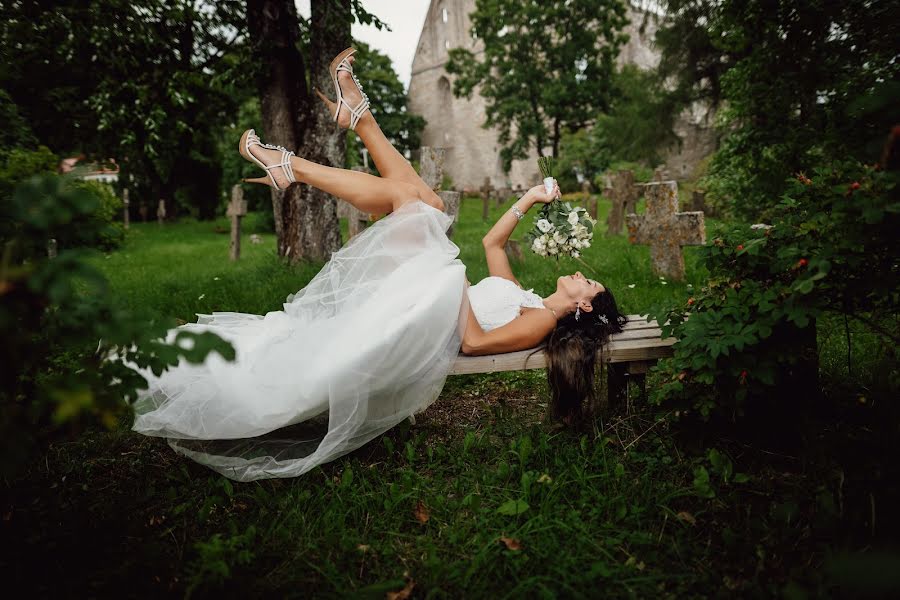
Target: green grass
(611,512)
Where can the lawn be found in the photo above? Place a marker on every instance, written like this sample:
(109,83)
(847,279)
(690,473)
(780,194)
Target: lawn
(480,498)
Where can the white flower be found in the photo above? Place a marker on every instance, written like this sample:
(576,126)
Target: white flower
(538,244)
(215,278)
(544,225)
(573,218)
(201,297)
(552,250)
(760,226)
(585,244)
(560,237)
(630,286)
(575,254)
(551,243)
(664,282)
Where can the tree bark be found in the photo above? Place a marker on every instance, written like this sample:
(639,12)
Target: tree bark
(305,218)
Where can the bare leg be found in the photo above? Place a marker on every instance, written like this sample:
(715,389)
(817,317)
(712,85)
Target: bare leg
(390,163)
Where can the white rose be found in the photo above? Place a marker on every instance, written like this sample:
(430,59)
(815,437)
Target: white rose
(560,237)
(573,218)
(544,225)
(538,244)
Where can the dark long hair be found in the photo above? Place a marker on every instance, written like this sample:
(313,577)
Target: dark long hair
(571,350)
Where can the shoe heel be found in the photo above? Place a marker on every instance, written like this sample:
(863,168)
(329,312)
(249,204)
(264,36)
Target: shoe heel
(263,180)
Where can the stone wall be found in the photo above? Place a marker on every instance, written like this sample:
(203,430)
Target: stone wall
(473,153)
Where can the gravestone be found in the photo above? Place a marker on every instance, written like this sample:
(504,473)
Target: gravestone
(431,166)
(514,251)
(451,207)
(125,204)
(698,201)
(237,208)
(623,195)
(665,229)
(161,211)
(486,190)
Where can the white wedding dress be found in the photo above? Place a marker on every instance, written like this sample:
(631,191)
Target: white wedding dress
(366,344)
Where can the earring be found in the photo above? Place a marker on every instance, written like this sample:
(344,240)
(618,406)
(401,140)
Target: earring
(577,311)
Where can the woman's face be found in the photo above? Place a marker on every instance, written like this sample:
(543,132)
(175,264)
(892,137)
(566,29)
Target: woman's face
(579,289)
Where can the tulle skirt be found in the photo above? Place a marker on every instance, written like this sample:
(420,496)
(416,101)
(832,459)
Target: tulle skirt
(367,343)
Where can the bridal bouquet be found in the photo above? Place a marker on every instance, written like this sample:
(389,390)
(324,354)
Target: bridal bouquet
(559,228)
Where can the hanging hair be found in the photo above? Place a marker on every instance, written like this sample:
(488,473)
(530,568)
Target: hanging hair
(571,350)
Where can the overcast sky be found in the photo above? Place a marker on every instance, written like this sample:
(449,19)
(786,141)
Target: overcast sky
(405,18)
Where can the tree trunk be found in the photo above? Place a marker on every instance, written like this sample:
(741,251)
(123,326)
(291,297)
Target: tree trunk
(305,219)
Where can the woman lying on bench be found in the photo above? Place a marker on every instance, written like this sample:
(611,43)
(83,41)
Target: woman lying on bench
(369,341)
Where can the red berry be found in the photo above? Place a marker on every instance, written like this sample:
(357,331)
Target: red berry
(854,185)
(690,301)
(803,262)
(740,247)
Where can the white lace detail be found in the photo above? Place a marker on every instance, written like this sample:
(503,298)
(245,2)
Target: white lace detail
(496,301)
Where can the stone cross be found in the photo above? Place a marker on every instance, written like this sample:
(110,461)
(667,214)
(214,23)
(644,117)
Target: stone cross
(665,229)
(125,204)
(486,190)
(237,208)
(624,195)
(431,166)
(161,211)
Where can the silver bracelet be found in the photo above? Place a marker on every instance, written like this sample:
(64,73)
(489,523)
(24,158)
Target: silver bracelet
(519,214)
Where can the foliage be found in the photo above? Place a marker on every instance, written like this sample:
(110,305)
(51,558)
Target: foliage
(18,164)
(148,86)
(832,249)
(65,340)
(802,82)
(379,80)
(635,128)
(546,68)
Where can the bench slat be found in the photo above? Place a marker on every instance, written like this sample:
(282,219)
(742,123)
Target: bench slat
(628,346)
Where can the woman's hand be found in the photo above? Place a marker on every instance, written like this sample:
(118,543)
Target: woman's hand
(539,194)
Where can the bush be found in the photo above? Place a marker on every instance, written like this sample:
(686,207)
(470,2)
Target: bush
(833,249)
(100,229)
(59,325)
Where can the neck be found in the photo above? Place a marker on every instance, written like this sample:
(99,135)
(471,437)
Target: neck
(560,304)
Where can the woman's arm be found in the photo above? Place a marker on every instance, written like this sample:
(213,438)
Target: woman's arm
(494,241)
(524,332)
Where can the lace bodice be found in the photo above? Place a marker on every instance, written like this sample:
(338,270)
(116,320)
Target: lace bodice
(496,301)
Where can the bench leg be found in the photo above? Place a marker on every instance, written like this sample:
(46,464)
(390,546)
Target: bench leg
(616,384)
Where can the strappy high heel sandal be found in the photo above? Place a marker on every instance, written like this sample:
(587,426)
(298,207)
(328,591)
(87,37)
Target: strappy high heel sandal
(248,139)
(341,63)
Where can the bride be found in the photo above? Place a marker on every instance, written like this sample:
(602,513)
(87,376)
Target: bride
(370,340)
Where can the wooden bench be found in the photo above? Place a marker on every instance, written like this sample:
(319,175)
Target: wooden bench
(629,354)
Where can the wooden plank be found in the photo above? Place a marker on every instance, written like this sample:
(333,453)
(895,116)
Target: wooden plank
(616,351)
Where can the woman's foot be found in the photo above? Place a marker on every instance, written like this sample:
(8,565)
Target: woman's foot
(275,160)
(352,102)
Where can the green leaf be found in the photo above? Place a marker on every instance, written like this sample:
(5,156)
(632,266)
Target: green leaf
(513,507)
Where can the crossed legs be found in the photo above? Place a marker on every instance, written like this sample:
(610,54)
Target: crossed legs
(399,183)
